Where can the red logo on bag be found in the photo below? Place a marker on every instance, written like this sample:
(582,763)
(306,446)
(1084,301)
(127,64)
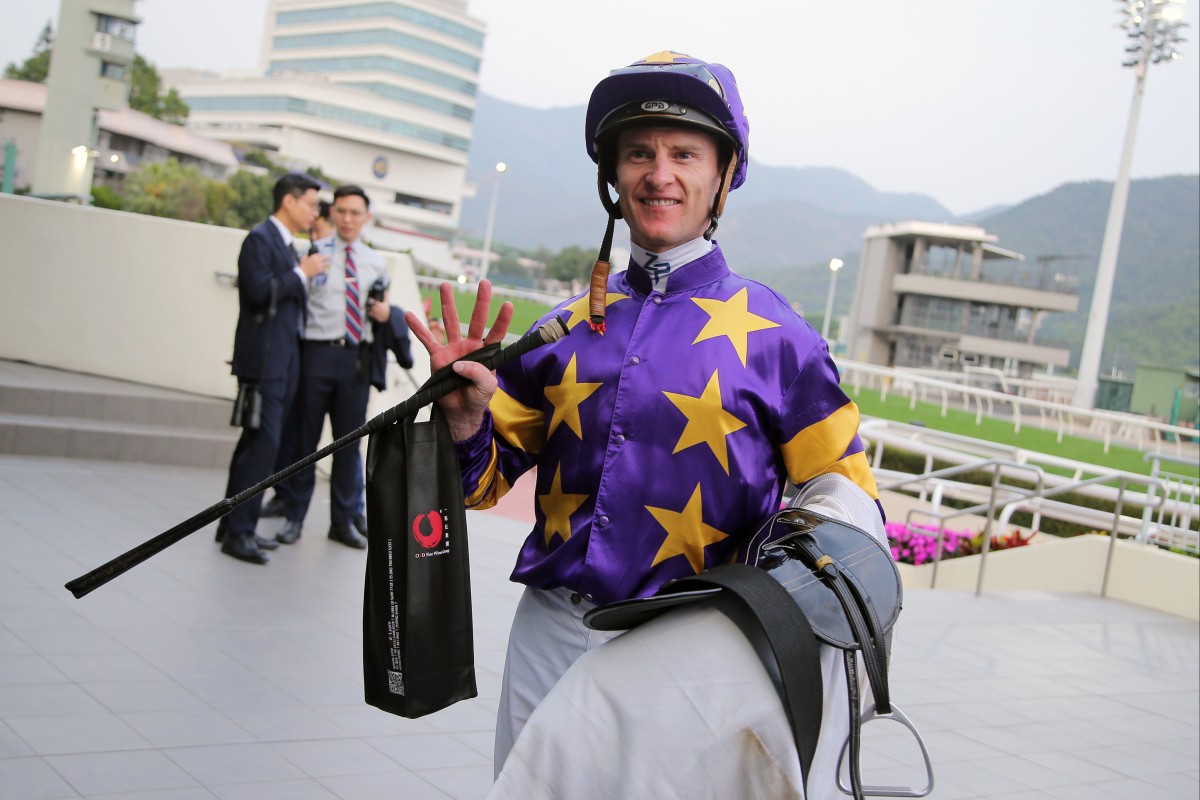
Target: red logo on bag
(434,537)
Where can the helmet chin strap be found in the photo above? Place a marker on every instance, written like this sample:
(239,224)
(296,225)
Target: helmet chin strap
(722,195)
(598,295)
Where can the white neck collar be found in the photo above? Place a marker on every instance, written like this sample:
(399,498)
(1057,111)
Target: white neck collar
(658,266)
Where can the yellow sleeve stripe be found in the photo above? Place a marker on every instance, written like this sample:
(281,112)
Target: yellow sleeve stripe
(858,469)
(520,425)
(813,449)
(492,486)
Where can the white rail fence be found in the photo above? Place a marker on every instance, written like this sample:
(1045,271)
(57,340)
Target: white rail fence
(918,386)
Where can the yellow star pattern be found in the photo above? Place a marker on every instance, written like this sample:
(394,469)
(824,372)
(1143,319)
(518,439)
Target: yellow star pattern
(582,312)
(558,508)
(731,318)
(687,535)
(707,421)
(566,398)
(663,57)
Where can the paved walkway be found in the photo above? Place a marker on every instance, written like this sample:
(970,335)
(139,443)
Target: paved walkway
(196,676)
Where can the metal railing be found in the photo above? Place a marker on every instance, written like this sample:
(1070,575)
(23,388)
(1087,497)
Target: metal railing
(1170,524)
(933,486)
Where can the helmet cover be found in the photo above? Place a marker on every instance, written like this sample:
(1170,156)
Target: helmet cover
(673,87)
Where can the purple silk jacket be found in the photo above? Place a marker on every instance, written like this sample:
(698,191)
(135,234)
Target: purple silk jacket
(661,443)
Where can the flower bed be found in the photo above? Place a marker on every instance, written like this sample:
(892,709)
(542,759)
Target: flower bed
(917,544)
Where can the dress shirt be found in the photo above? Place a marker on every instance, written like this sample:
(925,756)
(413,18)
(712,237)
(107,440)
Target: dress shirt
(327,292)
(662,443)
(289,239)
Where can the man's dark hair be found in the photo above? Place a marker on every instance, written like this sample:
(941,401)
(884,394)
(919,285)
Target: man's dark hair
(323,210)
(350,190)
(294,184)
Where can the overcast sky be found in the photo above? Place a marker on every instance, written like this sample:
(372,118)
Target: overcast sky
(974,102)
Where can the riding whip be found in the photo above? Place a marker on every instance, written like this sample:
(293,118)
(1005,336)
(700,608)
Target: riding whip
(441,383)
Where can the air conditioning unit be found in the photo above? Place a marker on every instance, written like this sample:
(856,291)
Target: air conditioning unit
(970,359)
(102,41)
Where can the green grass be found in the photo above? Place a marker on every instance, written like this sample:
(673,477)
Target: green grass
(525,312)
(1030,437)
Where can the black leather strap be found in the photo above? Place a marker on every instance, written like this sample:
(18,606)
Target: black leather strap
(787,631)
(859,612)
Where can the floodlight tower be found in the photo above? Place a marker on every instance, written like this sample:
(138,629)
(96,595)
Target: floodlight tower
(1153,27)
(834,265)
(501,168)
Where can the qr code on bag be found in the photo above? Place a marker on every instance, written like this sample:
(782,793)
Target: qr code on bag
(396,682)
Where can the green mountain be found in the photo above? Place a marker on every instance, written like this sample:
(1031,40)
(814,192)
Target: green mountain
(1155,314)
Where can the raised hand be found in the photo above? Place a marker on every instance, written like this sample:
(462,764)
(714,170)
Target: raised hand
(464,408)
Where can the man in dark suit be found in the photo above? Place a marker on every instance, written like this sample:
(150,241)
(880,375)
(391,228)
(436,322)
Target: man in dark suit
(347,336)
(272,290)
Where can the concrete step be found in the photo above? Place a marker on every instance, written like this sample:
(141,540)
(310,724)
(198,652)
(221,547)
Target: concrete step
(50,412)
(167,409)
(108,440)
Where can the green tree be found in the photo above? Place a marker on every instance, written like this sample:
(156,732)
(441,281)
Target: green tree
(256,157)
(105,197)
(219,199)
(37,66)
(254,202)
(146,94)
(571,263)
(167,189)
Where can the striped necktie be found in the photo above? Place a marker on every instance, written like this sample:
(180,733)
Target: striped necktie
(353,306)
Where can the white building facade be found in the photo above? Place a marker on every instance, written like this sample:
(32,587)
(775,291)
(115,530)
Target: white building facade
(379,94)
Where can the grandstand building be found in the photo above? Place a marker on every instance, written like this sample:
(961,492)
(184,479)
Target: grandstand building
(933,295)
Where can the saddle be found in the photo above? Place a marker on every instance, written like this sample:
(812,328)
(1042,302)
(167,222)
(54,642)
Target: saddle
(804,577)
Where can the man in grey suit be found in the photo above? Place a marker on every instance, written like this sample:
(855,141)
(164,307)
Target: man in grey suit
(272,289)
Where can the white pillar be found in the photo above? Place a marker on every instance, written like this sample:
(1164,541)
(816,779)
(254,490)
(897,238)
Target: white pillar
(491,221)
(1106,273)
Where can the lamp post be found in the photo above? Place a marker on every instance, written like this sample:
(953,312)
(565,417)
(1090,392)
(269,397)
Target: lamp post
(491,221)
(834,265)
(1153,30)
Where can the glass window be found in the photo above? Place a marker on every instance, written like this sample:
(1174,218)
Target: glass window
(367,63)
(117,72)
(414,98)
(404,41)
(393,10)
(299,105)
(120,28)
(414,201)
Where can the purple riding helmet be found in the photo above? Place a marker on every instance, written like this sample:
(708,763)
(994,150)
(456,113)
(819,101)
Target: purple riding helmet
(665,88)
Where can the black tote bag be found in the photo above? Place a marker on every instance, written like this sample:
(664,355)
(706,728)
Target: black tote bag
(418,648)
